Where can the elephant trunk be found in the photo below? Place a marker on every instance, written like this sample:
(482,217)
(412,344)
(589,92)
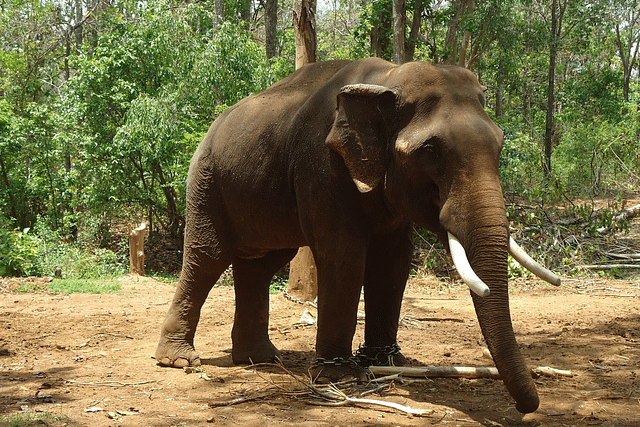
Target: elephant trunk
(489,260)
(485,238)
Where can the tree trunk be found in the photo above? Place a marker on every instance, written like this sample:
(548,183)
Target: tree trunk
(78,30)
(556,28)
(469,8)
(451,39)
(466,39)
(399,10)
(270,26)
(500,87)
(218,16)
(136,249)
(416,22)
(245,13)
(628,51)
(304,23)
(303,279)
(379,36)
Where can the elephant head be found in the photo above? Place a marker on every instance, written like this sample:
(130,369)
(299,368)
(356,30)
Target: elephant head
(422,138)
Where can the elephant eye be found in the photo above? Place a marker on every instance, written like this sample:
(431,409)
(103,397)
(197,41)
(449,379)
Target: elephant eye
(431,149)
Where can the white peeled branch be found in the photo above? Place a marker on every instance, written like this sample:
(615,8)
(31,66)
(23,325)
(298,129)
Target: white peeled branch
(468,276)
(527,262)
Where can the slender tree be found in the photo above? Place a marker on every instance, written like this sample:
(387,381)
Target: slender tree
(627,22)
(414,34)
(558,8)
(399,10)
(271,28)
(304,23)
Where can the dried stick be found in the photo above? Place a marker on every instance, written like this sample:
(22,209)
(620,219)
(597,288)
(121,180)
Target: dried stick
(610,266)
(111,383)
(460,372)
(546,371)
(242,399)
(343,399)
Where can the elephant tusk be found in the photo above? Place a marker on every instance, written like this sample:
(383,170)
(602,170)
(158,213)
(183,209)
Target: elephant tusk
(468,276)
(530,264)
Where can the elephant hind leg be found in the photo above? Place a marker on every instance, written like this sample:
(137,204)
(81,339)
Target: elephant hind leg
(200,270)
(250,335)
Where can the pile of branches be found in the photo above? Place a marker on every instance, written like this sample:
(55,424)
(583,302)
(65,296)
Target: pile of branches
(578,238)
(567,239)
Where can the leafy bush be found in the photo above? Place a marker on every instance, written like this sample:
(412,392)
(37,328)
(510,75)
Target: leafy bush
(18,252)
(38,251)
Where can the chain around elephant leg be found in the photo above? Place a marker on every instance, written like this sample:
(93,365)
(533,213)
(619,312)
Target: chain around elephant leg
(389,355)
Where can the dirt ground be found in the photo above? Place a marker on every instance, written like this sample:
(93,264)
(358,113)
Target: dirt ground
(88,359)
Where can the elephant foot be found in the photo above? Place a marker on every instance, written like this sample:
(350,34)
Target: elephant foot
(325,371)
(389,355)
(176,354)
(264,353)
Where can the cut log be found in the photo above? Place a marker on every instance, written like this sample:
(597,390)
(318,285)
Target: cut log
(136,249)
(437,371)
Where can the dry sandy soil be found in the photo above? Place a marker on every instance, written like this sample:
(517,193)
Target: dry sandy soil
(67,354)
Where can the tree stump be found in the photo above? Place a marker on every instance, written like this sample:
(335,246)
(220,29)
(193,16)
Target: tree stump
(303,276)
(136,249)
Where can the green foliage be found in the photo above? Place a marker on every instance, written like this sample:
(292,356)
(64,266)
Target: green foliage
(104,130)
(278,284)
(375,14)
(515,270)
(75,260)
(18,251)
(146,95)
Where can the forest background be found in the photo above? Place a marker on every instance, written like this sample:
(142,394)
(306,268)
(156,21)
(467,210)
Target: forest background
(103,102)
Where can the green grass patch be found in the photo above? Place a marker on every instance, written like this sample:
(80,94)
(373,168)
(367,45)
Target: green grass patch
(68,286)
(24,419)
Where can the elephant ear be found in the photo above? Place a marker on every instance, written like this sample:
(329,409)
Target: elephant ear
(360,132)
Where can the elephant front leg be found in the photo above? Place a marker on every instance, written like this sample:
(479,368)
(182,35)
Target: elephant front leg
(340,278)
(387,271)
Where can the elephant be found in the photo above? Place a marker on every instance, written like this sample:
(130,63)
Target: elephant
(345,157)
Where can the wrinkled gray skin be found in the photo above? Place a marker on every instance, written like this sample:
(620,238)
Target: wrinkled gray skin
(345,170)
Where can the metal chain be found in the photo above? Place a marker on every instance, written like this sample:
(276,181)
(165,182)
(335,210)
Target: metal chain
(337,361)
(368,356)
(296,300)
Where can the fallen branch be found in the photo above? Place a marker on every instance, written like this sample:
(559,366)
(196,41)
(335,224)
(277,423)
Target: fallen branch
(622,256)
(625,214)
(460,372)
(546,371)
(610,266)
(242,399)
(110,383)
(331,395)
(343,399)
